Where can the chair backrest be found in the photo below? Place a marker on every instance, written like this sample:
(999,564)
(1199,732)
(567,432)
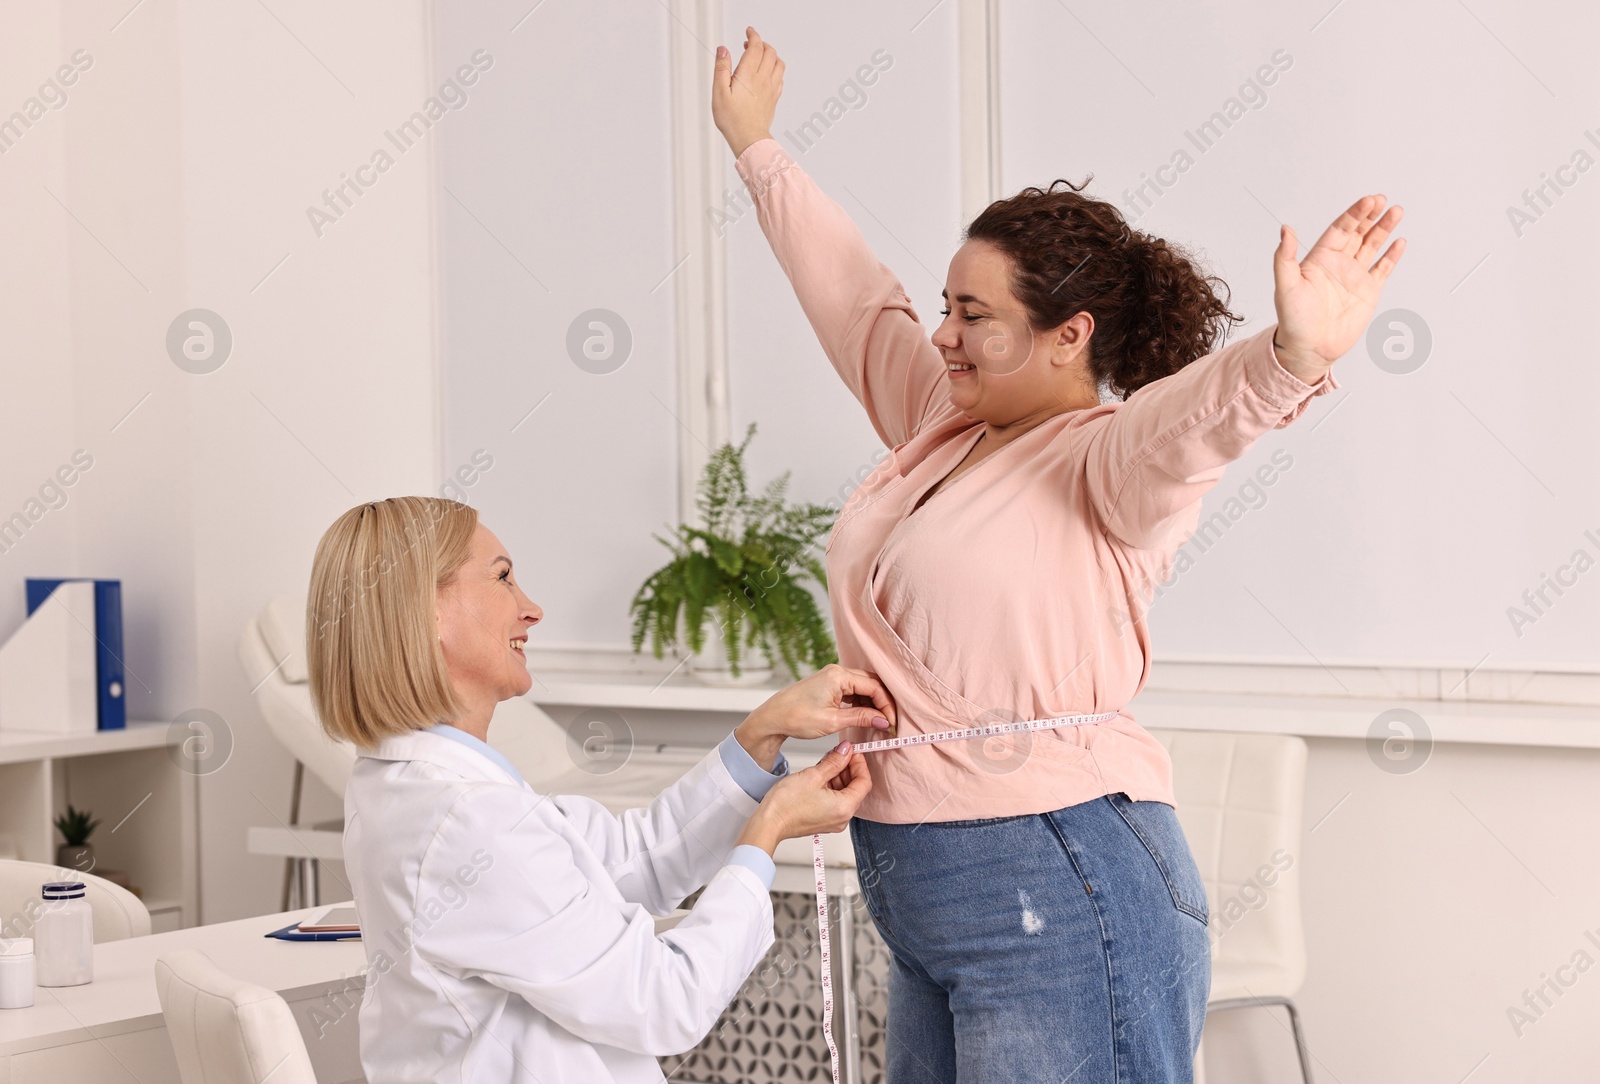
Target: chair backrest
(1239,802)
(118,913)
(273,651)
(225,1031)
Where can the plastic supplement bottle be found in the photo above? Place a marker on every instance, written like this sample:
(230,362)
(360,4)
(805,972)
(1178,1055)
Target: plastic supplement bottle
(16,972)
(63,937)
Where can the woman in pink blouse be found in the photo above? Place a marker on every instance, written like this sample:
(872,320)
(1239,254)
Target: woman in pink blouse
(1044,915)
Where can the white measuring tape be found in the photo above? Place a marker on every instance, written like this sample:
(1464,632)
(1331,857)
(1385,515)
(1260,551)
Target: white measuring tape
(819,867)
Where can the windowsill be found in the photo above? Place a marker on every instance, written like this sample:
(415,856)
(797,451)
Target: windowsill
(634,689)
(1568,726)
(1312,715)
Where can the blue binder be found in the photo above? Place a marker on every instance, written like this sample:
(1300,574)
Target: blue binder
(113,711)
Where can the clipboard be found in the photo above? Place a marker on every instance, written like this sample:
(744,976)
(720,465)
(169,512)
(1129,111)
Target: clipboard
(292,932)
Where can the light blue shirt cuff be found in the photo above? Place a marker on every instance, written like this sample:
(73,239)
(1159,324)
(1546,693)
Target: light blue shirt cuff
(755,860)
(752,778)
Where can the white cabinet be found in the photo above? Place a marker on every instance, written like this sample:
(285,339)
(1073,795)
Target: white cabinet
(133,785)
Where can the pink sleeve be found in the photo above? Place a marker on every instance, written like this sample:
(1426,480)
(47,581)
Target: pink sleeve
(856,305)
(1153,457)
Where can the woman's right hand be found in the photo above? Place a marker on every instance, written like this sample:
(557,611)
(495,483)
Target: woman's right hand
(821,798)
(744,99)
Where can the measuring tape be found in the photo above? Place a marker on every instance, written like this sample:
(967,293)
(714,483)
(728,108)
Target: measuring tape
(818,866)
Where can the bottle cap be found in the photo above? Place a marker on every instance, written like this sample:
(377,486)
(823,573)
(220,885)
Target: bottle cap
(16,946)
(64,890)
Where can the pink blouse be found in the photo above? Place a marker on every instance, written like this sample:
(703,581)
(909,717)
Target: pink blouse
(1019,589)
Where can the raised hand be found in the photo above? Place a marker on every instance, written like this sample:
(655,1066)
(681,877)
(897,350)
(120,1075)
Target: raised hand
(1326,301)
(744,99)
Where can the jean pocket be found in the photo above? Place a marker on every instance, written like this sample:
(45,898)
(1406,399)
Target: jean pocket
(869,873)
(1156,825)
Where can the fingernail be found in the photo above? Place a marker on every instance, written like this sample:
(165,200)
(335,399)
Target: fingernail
(844,748)
(881,723)
(722,51)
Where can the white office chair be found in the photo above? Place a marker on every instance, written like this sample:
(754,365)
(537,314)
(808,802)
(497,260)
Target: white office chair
(224,1031)
(1239,802)
(118,913)
(272,650)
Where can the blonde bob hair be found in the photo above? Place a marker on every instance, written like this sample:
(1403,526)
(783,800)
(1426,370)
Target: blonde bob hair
(372,642)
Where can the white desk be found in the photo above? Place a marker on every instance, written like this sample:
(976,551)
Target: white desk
(111,1031)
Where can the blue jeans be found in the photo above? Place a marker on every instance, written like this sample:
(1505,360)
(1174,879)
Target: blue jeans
(1067,947)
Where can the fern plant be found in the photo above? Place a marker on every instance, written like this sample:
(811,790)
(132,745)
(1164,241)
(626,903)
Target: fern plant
(746,567)
(75,826)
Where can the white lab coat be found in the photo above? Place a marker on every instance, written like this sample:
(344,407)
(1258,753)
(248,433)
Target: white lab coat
(509,934)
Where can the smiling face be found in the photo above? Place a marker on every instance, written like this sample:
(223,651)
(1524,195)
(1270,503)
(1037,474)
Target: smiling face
(483,626)
(999,368)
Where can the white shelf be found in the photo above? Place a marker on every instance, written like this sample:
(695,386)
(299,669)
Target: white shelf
(18,746)
(1488,722)
(143,796)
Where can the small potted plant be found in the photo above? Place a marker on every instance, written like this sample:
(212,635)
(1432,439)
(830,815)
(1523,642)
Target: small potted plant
(75,826)
(746,570)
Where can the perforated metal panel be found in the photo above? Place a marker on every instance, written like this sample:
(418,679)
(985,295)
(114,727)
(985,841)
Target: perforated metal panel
(772,1031)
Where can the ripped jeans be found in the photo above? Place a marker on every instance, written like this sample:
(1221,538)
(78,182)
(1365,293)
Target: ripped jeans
(1067,947)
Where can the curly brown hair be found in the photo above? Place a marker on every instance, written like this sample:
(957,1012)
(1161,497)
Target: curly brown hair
(1154,310)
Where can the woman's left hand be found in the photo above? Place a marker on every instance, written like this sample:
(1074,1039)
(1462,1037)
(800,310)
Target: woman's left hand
(1326,301)
(813,707)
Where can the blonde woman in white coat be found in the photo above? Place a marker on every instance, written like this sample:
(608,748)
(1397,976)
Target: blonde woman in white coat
(508,933)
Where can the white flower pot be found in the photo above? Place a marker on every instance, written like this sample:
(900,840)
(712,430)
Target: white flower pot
(710,666)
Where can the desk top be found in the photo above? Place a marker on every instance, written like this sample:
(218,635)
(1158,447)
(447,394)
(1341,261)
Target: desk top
(123,996)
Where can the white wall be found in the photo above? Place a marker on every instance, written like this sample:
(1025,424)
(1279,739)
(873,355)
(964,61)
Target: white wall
(1386,493)
(1419,512)
(1434,900)
(575,214)
(187,155)
(331,397)
(890,161)
(556,199)
(39,435)
(94,273)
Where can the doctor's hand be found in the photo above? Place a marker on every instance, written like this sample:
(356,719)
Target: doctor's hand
(744,99)
(821,798)
(814,707)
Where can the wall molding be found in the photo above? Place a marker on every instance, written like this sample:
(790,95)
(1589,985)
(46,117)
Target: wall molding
(436,261)
(978,50)
(1540,683)
(700,280)
(1534,683)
